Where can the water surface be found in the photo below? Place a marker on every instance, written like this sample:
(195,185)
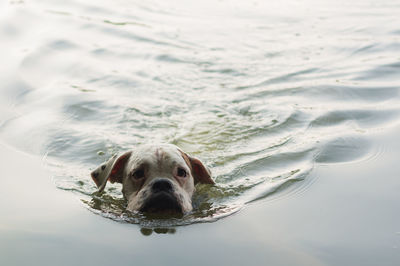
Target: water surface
(262,92)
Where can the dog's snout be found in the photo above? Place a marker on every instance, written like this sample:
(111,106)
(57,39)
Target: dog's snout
(162,185)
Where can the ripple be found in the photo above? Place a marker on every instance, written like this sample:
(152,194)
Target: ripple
(343,149)
(386,71)
(283,78)
(365,118)
(126,23)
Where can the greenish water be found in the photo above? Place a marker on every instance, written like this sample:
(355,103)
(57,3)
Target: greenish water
(265,93)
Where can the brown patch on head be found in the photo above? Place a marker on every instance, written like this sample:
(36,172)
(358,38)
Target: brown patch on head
(160,155)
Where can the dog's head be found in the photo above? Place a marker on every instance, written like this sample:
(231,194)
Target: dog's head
(155,178)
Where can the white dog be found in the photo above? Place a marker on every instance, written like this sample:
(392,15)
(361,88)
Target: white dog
(155,178)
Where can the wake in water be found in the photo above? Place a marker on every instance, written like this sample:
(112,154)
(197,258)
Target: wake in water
(233,190)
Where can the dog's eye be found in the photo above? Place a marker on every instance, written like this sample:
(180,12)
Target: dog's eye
(138,174)
(181,172)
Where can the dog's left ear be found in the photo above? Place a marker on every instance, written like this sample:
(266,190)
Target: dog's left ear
(112,171)
(201,173)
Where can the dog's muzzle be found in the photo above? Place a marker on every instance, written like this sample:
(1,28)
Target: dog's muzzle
(161,198)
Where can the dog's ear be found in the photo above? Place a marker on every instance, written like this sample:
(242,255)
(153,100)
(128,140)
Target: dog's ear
(201,173)
(112,170)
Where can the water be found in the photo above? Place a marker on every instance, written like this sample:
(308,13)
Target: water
(262,92)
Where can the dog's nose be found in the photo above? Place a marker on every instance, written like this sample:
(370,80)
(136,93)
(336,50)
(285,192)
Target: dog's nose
(162,185)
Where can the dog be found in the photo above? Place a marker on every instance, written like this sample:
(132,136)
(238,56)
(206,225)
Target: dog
(154,178)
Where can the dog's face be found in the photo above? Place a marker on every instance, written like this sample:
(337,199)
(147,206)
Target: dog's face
(155,178)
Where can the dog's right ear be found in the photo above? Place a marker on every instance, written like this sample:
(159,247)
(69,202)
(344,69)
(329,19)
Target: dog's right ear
(111,170)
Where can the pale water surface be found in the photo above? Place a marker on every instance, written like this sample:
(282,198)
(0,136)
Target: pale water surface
(262,91)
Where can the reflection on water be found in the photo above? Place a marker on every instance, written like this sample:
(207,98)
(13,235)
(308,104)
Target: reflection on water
(259,92)
(149,231)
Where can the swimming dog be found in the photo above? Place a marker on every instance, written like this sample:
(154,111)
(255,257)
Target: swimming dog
(154,178)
